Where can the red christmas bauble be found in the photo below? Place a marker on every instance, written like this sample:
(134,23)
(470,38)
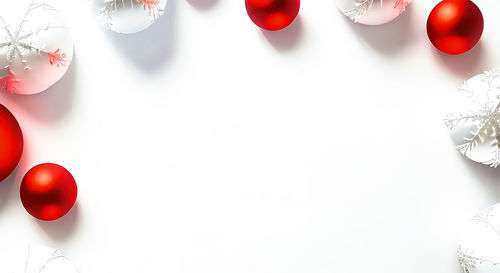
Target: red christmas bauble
(11,142)
(455,26)
(272,14)
(48,191)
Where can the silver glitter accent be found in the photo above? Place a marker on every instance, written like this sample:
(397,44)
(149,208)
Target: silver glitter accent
(18,40)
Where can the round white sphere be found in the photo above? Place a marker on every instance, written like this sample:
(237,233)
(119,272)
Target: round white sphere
(128,16)
(372,12)
(474,119)
(33,258)
(479,246)
(36,48)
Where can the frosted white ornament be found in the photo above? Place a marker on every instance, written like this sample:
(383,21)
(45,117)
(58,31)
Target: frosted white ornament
(474,121)
(372,12)
(479,246)
(34,259)
(128,16)
(35,47)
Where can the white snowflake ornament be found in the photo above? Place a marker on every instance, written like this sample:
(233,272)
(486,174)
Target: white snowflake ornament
(474,123)
(479,246)
(128,16)
(372,12)
(34,259)
(35,47)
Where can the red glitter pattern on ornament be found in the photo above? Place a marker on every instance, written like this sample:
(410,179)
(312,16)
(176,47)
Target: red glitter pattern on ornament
(8,82)
(150,5)
(401,5)
(57,58)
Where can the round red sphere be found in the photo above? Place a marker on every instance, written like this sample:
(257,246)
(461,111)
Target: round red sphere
(48,191)
(272,14)
(455,26)
(11,142)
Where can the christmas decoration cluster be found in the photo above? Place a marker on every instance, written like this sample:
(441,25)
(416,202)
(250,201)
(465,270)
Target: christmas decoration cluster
(36,50)
(48,191)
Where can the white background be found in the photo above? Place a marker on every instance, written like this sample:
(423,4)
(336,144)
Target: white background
(205,145)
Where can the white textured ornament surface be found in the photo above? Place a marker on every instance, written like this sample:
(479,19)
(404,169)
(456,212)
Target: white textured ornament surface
(372,12)
(35,47)
(479,247)
(474,123)
(128,16)
(34,259)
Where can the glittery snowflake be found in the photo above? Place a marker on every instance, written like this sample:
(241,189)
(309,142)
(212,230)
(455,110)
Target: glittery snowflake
(18,43)
(58,58)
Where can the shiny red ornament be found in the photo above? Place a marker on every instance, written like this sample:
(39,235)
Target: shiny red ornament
(455,26)
(11,143)
(272,14)
(48,191)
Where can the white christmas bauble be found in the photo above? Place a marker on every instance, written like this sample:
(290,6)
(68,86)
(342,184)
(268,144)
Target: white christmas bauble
(128,16)
(474,121)
(479,246)
(372,12)
(34,259)
(35,47)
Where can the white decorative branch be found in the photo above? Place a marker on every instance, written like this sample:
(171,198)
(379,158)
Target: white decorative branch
(359,10)
(468,260)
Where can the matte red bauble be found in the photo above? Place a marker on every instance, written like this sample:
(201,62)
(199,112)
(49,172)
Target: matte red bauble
(11,142)
(272,14)
(48,191)
(455,26)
